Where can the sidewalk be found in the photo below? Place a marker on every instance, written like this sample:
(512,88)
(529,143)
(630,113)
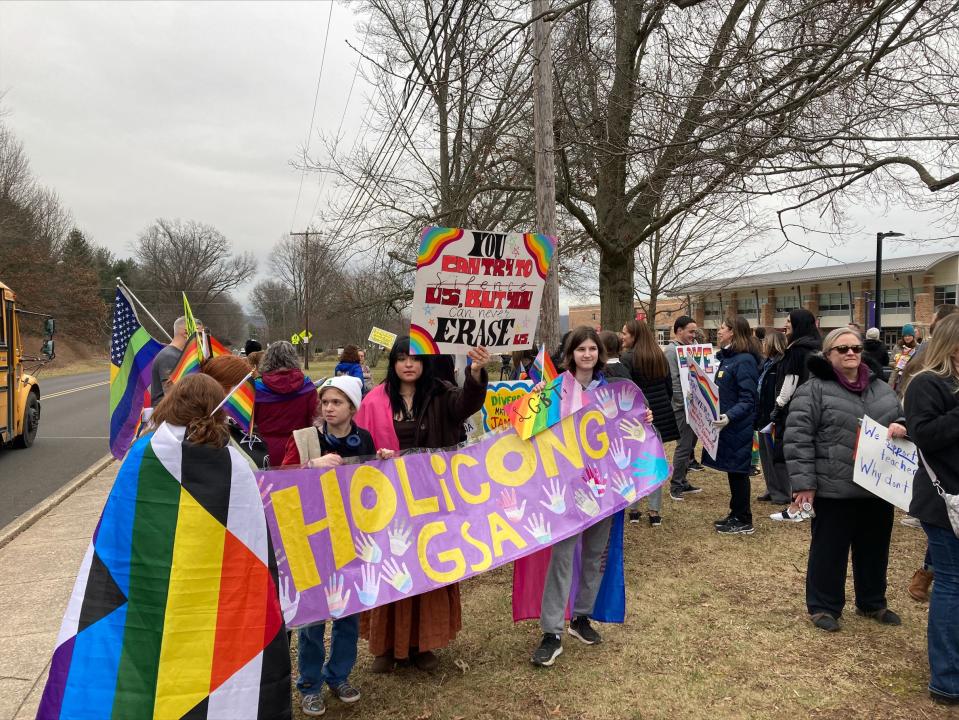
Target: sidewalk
(37,572)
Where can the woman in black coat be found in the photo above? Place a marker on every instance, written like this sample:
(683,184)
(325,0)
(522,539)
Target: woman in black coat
(774,473)
(647,367)
(737,378)
(932,416)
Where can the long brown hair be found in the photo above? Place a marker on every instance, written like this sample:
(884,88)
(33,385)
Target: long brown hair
(647,357)
(937,358)
(189,403)
(743,338)
(576,338)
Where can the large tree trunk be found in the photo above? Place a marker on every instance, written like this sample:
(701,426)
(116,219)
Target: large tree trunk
(616,288)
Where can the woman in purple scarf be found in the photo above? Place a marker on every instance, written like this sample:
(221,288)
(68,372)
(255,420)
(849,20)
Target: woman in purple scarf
(820,447)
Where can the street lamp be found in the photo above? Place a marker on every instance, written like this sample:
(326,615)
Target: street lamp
(879,238)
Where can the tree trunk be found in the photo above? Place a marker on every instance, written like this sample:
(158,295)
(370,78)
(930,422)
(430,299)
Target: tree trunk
(616,288)
(651,309)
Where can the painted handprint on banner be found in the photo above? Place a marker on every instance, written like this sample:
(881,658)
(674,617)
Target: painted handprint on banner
(627,396)
(370,589)
(367,549)
(541,530)
(595,482)
(289,599)
(633,430)
(399,535)
(507,501)
(335,599)
(625,487)
(652,469)
(607,400)
(397,576)
(586,502)
(619,454)
(556,496)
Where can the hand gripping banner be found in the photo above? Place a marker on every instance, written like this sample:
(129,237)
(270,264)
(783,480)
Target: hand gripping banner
(359,536)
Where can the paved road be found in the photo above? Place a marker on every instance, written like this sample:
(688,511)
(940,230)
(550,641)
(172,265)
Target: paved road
(74,432)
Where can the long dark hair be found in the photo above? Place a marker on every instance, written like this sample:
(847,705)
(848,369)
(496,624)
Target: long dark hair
(577,337)
(401,349)
(647,358)
(803,325)
(743,338)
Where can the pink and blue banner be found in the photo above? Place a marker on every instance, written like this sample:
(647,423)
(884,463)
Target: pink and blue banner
(358,536)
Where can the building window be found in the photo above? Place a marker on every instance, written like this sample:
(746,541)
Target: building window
(895,298)
(712,309)
(786,303)
(945,295)
(747,306)
(836,302)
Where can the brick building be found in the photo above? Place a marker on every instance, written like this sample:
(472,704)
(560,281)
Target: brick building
(667,310)
(912,287)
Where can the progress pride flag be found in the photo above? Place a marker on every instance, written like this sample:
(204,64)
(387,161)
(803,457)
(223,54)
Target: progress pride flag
(358,536)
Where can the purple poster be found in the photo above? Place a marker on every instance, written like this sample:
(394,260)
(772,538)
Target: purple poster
(363,535)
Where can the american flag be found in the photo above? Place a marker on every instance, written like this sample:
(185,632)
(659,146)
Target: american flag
(131,359)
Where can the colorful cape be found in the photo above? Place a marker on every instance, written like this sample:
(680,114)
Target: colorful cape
(175,611)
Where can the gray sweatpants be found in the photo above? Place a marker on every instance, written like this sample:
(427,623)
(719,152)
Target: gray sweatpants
(682,453)
(559,577)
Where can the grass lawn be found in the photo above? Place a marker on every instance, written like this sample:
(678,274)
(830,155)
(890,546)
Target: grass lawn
(716,628)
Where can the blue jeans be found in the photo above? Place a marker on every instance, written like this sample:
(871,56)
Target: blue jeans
(312,654)
(943,631)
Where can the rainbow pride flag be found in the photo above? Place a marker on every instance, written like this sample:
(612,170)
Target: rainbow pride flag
(536,411)
(542,368)
(190,360)
(217,348)
(175,611)
(238,404)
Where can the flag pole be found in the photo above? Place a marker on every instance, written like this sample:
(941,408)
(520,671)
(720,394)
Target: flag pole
(122,284)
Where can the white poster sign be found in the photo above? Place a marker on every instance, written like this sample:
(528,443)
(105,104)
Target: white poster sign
(885,466)
(702,406)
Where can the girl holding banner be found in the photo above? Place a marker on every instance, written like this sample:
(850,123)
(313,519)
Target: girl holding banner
(411,409)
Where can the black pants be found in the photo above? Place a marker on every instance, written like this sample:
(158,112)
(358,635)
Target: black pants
(739,496)
(865,525)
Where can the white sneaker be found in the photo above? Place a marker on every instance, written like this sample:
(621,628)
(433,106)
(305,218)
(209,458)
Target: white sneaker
(910,521)
(787,516)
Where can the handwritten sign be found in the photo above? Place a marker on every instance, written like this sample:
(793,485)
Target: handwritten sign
(477,288)
(382,337)
(536,411)
(358,536)
(702,406)
(703,355)
(885,466)
(492,416)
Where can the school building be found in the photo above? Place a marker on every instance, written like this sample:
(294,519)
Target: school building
(912,287)
(667,310)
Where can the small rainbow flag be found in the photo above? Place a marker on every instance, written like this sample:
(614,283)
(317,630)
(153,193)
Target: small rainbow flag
(536,411)
(238,403)
(190,359)
(217,348)
(542,367)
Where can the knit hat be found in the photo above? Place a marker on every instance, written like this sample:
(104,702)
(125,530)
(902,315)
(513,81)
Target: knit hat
(908,329)
(872,334)
(348,385)
(251,347)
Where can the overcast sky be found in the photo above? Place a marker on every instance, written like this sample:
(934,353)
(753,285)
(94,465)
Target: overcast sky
(133,111)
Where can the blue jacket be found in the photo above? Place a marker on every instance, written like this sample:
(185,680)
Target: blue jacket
(737,379)
(345,368)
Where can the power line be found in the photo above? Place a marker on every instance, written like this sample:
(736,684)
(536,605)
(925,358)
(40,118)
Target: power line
(316,98)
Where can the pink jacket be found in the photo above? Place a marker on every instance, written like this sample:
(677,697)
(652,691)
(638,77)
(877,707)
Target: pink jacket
(376,416)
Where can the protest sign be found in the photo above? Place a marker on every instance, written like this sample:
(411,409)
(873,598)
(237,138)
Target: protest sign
(476,288)
(539,410)
(358,536)
(382,337)
(703,355)
(885,466)
(702,406)
(492,416)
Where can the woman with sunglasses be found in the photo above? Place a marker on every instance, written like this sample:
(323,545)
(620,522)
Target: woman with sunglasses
(820,446)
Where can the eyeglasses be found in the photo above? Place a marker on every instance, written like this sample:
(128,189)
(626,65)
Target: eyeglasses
(843,349)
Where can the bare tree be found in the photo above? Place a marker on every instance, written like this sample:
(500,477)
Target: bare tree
(663,105)
(274,301)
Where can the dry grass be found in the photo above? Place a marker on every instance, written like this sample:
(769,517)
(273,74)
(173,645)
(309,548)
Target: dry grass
(716,628)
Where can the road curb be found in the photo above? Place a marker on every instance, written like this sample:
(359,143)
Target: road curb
(31,516)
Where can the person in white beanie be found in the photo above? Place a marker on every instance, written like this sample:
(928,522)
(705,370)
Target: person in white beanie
(332,438)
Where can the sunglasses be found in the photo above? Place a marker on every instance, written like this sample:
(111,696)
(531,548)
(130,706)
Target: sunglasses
(843,349)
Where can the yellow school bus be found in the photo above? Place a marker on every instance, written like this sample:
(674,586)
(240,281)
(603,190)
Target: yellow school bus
(19,390)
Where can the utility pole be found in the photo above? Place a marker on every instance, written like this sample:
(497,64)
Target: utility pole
(545,169)
(306,294)
(880,236)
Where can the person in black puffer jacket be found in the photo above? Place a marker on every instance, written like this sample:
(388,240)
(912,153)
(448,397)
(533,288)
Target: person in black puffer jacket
(875,352)
(774,473)
(932,416)
(820,444)
(647,367)
(737,379)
